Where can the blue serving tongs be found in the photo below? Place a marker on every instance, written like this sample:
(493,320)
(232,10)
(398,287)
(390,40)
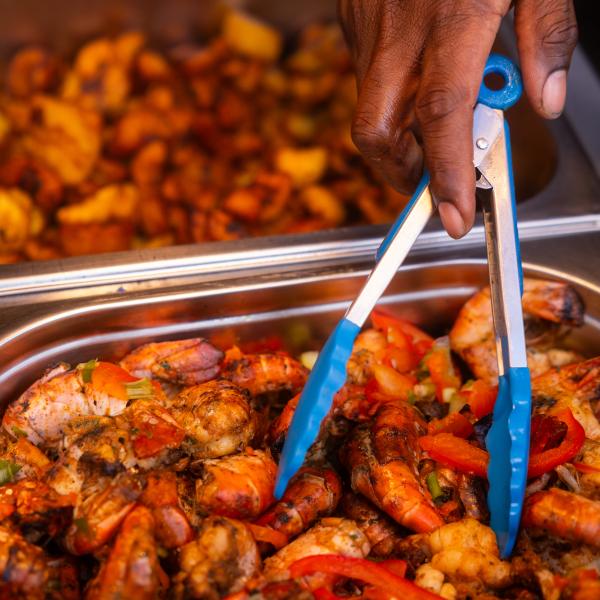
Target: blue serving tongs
(508,437)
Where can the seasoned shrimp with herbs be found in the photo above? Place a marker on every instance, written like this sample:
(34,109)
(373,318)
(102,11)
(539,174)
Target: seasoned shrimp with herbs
(154,477)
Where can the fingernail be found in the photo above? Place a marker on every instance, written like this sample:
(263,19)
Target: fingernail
(554,93)
(452,219)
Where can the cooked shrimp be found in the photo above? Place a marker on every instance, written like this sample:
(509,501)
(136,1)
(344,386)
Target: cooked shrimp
(382,533)
(589,479)
(132,569)
(574,387)
(184,362)
(312,493)
(368,347)
(220,561)
(239,486)
(583,585)
(101,510)
(33,463)
(330,536)
(217,418)
(24,568)
(467,550)
(472,336)
(565,515)
(42,411)
(35,509)
(382,459)
(172,528)
(261,373)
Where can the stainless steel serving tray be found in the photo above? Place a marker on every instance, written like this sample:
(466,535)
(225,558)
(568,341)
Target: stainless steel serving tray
(247,292)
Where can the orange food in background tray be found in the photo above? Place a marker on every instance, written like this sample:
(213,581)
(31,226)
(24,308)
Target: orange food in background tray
(126,145)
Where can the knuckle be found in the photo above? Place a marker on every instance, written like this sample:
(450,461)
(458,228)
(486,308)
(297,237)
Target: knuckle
(558,31)
(372,138)
(437,103)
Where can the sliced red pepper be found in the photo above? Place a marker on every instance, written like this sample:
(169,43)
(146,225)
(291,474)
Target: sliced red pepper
(111,379)
(363,570)
(455,452)
(272,343)
(391,383)
(154,430)
(547,432)
(384,320)
(268,535)
(454,423)
(480,396)
(399,359)
(570,446)
(396,566)
(588,469)
(325,594)
(443,374)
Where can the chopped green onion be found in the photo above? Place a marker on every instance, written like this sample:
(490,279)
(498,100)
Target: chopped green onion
(18,432)
(87,369)
(412,397)
(82,525)
(434,485)
(8,470)
(422,370)
(448,394)
(142,388)
(308,359)
(456,404)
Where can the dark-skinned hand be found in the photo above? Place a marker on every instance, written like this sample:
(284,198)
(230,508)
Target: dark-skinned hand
(419,64)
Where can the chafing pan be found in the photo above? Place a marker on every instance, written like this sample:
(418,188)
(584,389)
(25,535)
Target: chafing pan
(300,302)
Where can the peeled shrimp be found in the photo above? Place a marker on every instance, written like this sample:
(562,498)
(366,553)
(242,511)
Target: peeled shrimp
(330,536)
(382,459)
(220,561)
(132,569)
(472,336)
(239,486)
(184,362)
(574,387)
(565,515)
(311,494)
(216,417)
(42,411)
(261,373)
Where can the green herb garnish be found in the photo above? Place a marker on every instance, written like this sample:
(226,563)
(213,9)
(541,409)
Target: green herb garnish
(87,369)
(82,525)
(412,397)
(8,470)
(434,485)
(142,388)
(18,432)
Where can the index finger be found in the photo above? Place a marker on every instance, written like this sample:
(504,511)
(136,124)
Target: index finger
(453,64)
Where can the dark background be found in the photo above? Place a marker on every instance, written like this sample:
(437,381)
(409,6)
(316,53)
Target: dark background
(588,19)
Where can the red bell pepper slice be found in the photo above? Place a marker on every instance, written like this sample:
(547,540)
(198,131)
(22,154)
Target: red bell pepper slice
(439,364)
(391,383)
(111,380)
(480,396)
(369,572)
(546,432)
(454,423)
(398,567)
(588,469)
(384,320)
(547,460)
(266,534)
(325,594)
(455,452)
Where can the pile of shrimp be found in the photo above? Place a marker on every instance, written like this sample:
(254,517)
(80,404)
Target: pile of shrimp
(126,145)
(153,477)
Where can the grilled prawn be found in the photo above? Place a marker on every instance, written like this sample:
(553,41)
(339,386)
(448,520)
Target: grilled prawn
(239,486)
(216,417)
(262,373)
(183,362)
(565,515)
(382,459)
(472,336)
(220,561)
(314,492)
(132,569)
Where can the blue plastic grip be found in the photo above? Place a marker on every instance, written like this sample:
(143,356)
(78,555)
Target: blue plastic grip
(401,218)
(508,95)
(326,378)
(507,470)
